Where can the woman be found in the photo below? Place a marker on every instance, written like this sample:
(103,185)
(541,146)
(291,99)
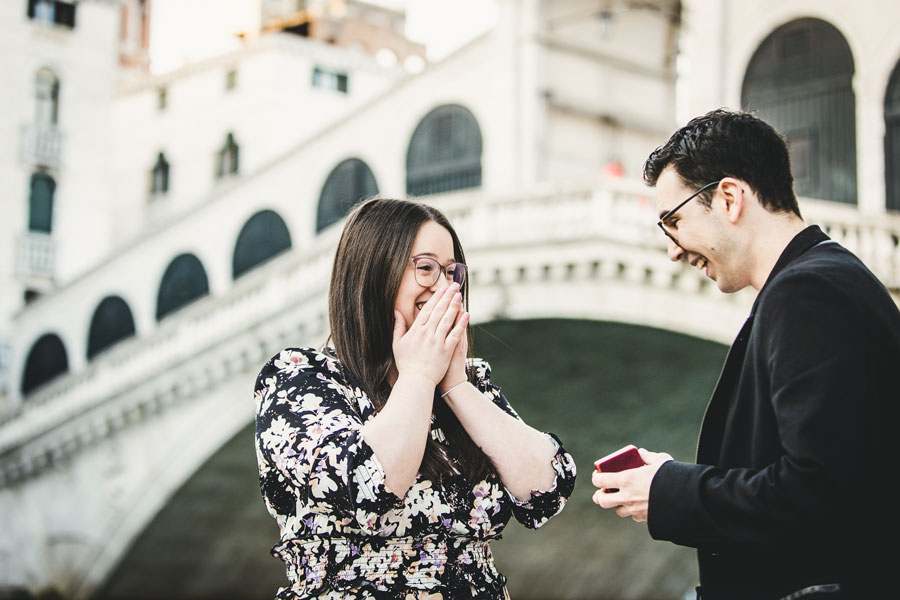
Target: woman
(388,462)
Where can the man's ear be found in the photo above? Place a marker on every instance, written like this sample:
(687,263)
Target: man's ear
(734,193)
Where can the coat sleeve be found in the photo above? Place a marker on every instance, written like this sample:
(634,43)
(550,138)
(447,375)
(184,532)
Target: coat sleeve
(542,505)
(815,368)
(310,445)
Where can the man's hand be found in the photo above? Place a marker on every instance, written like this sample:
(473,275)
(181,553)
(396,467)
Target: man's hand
(629,491)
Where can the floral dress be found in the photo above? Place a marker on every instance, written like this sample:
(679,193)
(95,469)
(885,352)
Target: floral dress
(343,533)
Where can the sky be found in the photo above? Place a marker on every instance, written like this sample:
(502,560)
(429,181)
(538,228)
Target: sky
(183,31)
(445,25)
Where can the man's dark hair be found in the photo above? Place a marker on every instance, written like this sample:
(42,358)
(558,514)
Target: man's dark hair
(724,143)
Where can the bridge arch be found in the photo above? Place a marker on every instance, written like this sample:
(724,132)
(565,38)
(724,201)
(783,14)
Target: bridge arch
(892,140)
(183,282)
(112,322)
(263,236)
(46,360)
(348,183)
(444,152)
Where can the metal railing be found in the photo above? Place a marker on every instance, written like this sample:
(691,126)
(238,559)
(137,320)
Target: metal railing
(36,255)
(42,145)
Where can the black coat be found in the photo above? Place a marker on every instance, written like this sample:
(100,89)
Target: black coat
(796,457)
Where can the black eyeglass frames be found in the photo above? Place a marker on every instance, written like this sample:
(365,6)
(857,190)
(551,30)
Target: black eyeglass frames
(662,221)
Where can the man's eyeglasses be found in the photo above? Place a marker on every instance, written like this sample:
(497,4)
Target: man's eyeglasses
(664,220)
(428,270)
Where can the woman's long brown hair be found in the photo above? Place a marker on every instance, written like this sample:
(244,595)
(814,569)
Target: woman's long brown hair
(372,257)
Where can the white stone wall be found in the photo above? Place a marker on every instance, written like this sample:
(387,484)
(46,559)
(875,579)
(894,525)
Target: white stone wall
(609,82)
(272,108)
(84,61)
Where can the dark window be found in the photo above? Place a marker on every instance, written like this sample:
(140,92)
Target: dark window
(263,236)
(40,203)
(46,98)
(348,183)
(159,177)
(330,80)
(46,359)
(799,80)
(183,282)
(444,152)
(892,141)
(31,295)
(227,158)
(112,322)
(60,12)
(301,29)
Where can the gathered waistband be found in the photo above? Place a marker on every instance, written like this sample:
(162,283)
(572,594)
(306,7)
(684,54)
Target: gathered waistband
(423,562)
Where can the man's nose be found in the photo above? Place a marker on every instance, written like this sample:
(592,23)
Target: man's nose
(675,251)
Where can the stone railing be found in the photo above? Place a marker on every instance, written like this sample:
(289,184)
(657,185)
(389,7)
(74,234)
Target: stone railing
(875,239)
(610,209)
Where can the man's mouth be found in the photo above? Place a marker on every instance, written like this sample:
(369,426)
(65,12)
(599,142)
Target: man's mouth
(701,263)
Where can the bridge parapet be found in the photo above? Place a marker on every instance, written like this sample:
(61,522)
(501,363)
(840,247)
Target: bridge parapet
(875,239)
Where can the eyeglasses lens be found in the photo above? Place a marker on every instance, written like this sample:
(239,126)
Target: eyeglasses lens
(429,270)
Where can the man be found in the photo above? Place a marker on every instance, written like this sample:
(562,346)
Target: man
(791,494)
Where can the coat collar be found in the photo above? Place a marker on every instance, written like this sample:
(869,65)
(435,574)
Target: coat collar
(802,242)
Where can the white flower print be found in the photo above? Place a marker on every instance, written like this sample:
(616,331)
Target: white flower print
(344,534)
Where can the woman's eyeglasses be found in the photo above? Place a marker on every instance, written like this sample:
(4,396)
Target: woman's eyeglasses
(428,270)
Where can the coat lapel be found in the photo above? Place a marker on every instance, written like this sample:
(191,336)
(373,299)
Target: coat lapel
(712,429)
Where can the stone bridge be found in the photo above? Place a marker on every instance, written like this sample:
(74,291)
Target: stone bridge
(88,458)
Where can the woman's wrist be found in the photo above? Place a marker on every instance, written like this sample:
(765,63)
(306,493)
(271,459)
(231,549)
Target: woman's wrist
(448,385)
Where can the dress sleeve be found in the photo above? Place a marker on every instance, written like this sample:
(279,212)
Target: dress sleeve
(308,433)
(543,505)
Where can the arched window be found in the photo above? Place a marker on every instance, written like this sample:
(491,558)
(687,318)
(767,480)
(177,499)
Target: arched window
(46,359)
(159,176)
(183,282)
(227,157)
(46,98)
(112,322)
(892,141)
(263,236)
(349,182)
(444,153)
(40,202)
(799,81)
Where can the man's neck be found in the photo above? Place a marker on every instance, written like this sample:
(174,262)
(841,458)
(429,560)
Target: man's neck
(776,232)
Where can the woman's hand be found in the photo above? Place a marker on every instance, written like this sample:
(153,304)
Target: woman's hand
(427,346)
(456,371)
